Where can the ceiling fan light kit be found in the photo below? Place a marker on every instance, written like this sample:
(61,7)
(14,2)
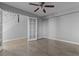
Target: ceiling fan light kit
(42,5)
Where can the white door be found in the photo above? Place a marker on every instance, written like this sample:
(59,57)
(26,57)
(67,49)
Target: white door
(32,29)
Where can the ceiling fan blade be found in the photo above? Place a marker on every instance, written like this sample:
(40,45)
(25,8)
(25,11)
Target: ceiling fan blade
(44,10)
(36,9)
(33,4)
(42,3)
(49,6)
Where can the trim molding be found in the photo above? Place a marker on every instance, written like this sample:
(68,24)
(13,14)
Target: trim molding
(13,39)
(31,39)
(58,39)
(71,42)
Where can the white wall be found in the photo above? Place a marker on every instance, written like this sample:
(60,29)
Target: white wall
(11,28)
(64,27)
(51,28)
(68,27)
(42,27)
(47,28)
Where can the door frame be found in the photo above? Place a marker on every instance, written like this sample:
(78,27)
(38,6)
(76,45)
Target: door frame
(28,26)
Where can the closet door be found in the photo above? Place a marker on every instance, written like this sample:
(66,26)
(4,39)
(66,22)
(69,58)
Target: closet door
(32,28)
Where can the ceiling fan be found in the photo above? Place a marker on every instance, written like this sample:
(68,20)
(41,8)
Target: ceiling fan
(42,5)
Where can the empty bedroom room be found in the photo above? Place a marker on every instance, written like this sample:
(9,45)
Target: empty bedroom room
(39,28)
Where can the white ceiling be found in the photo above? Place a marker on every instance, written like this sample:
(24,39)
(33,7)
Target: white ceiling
(59,7)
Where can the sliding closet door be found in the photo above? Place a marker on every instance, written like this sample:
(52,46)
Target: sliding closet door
(32,28)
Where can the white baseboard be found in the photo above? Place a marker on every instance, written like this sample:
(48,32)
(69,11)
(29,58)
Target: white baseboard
(58,39)
(31,39)
(18,39)
(14,39)
(39,37)
(71,42)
